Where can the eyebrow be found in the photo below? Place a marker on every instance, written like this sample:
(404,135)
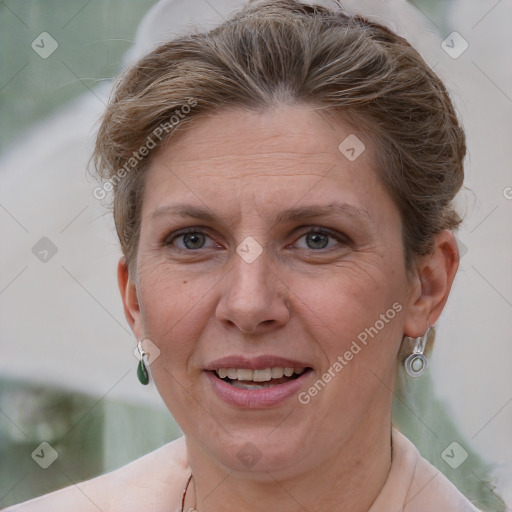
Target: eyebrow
(186,210)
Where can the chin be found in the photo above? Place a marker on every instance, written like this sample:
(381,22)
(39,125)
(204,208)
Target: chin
(257,452)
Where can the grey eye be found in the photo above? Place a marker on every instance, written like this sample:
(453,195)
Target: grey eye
(317,240)
(190,240)
(193,240)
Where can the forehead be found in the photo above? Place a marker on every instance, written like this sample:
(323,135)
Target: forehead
(262,161)
(284,134)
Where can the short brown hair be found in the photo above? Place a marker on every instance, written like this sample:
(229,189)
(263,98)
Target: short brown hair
(284,51)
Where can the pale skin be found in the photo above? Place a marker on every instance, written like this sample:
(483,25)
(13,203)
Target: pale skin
(297,299)
(198,300)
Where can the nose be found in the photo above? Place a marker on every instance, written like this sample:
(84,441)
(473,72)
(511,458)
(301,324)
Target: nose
(254,299)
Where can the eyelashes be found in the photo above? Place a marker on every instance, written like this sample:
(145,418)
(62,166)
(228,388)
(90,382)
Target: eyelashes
(316,239)
(319,236)
(192,234)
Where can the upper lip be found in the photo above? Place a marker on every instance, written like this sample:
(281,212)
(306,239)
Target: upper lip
(255,363)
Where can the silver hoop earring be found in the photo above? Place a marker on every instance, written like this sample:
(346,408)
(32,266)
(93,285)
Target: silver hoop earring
(417,363)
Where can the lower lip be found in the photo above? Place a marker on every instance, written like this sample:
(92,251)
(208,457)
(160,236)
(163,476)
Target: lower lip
(257,398)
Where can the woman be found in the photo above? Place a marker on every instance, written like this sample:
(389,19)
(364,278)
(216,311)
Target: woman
(283,192)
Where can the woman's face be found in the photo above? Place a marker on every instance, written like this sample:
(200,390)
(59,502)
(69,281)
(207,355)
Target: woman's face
(264,245)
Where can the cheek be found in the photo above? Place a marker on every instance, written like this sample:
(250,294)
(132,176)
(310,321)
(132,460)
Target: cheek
(354,303)
(174,313)
(355,318)
(173,310)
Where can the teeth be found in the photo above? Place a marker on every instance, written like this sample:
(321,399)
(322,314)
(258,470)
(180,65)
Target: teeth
(258,375)
(244,374)
(262,375)
(277,373)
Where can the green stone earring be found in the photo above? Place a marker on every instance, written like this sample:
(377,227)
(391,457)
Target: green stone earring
(142,371)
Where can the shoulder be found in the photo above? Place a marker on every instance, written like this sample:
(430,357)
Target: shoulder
(415,485)
(429,490)
(152,482)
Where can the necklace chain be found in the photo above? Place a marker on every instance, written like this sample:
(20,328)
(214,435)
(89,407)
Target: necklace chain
(191,509)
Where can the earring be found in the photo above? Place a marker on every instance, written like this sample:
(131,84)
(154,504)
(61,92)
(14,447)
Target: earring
(416,363)
(142,371)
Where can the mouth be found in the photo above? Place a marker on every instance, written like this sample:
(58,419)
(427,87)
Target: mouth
(245,378)
(257,382)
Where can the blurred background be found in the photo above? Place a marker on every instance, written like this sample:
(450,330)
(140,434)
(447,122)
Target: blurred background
(67,368)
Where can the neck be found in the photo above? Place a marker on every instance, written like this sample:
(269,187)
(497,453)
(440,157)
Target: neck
(349,478)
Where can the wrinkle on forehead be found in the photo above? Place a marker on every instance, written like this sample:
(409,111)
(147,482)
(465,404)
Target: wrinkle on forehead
(260,133)
(240,165)
(229,163)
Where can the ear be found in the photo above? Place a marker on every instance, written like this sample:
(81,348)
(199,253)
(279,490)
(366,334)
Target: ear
(128,291)
(431,285)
